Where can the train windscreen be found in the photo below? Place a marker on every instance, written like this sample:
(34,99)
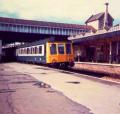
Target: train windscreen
(53,49)
(61,48)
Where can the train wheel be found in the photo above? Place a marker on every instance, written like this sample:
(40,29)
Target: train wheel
(55,65)
(66,66)
(62,66)
(71,64)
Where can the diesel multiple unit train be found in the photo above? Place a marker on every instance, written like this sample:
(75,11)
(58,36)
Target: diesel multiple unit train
(51,52)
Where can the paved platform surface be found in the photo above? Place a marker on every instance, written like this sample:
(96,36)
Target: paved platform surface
(21,93)
(100,96)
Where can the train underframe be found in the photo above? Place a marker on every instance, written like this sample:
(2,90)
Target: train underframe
(61,65)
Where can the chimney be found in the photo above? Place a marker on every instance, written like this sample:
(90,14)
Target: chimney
(106,17)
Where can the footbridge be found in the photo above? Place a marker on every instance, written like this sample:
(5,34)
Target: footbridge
(12,30)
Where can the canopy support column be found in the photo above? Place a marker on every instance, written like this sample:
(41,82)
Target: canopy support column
(110,52)
(117,52)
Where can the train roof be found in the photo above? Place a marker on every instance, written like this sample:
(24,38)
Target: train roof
(43,41)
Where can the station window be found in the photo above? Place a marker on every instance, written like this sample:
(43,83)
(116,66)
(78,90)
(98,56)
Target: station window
(61,48)
(68,48)
(53,49)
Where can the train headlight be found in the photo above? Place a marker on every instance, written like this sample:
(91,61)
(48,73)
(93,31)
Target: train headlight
(54,61)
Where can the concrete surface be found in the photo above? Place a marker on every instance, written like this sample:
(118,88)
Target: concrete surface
(20,93)
(100,98)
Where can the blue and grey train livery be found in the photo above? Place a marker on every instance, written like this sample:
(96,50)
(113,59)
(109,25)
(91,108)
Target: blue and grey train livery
(56,53)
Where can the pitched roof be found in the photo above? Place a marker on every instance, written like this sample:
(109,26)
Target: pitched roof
(97,17)
(44,24)
(94,17)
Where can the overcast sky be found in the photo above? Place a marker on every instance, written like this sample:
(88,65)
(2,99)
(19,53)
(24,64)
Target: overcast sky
(64,11)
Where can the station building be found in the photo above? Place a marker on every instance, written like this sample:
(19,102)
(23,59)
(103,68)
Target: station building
(103,45)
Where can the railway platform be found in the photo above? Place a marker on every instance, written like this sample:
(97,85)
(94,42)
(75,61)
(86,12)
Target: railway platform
(21,93)
(69,92)
(112,70)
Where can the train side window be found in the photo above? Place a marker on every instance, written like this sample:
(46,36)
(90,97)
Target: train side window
(53,49)
(35,50)
(18,52)
(40,50)
(68,48)
(21,51)
(61,48)
(24,51)
(31,50)
(27,50)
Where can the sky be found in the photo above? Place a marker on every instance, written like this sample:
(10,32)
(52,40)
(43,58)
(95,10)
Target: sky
(63,11)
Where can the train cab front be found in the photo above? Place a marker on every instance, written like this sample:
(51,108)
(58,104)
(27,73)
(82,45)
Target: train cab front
(59,54)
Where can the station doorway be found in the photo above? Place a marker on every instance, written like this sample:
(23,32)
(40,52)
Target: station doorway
(90,54)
